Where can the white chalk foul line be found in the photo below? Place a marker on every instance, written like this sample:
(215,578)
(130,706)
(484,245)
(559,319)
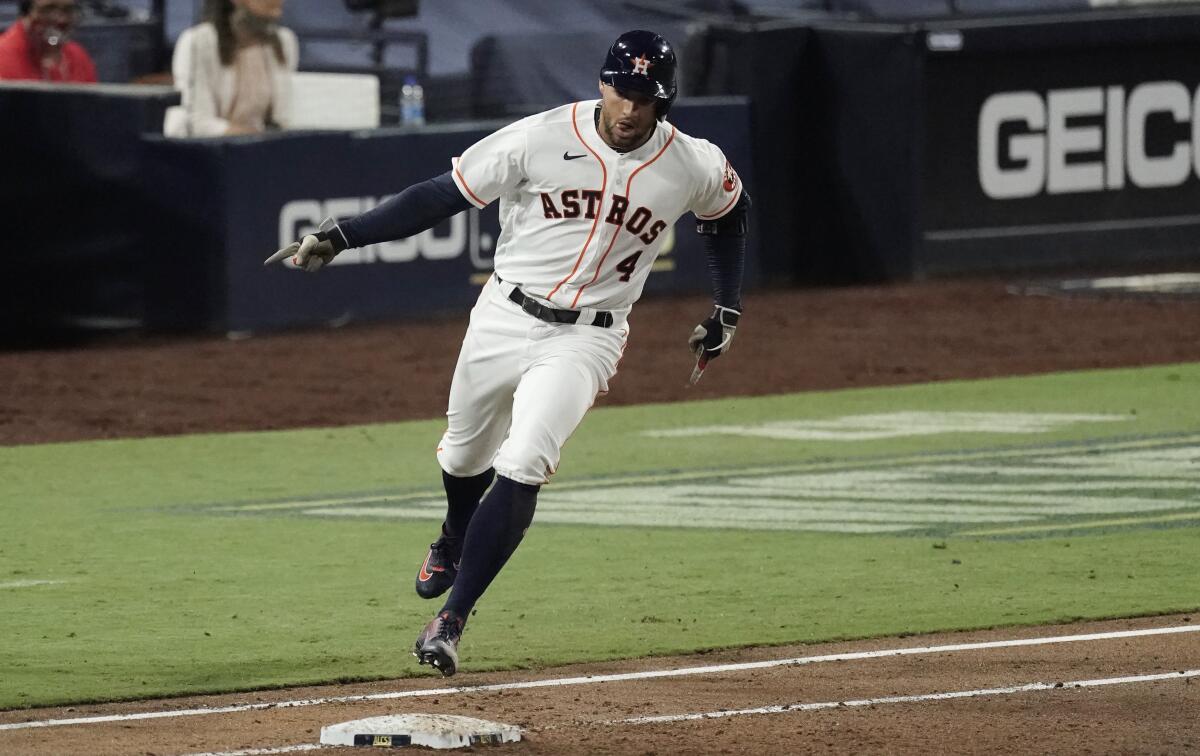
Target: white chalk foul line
(566,681)
(911,699)
(267,751)
(669,718)
(29,583)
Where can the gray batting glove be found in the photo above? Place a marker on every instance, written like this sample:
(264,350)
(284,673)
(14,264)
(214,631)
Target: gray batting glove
(314,250)
(713,337)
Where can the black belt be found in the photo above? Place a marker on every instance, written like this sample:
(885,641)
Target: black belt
(603,318)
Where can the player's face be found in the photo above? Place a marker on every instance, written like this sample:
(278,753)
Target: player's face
(626,117)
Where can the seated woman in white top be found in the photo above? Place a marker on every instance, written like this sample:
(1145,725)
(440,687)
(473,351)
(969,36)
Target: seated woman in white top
(234,71)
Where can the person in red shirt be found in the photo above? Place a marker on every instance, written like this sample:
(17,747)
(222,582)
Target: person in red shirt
(38,46)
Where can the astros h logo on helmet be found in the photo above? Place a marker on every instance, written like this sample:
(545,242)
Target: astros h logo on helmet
(641,65)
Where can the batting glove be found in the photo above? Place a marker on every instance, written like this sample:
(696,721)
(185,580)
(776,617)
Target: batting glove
(713,337)
(314,250)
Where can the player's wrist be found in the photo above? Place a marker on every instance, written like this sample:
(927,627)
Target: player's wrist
(727,316)
(332,233)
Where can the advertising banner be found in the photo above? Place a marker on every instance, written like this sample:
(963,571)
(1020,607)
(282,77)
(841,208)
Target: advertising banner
(1075,142)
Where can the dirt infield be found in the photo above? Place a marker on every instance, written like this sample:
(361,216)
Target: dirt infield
(1085,706)
(790,341)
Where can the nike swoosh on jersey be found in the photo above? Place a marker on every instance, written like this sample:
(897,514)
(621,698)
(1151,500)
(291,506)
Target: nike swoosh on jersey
(569,156)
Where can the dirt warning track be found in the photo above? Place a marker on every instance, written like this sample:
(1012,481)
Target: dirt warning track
(789,341)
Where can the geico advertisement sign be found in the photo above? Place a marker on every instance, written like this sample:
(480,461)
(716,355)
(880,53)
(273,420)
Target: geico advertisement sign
(1085,140)
(301,217)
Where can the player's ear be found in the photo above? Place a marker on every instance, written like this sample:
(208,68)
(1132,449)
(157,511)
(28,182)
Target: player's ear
(600,86)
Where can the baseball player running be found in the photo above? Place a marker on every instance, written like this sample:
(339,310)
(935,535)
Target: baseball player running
(586,192)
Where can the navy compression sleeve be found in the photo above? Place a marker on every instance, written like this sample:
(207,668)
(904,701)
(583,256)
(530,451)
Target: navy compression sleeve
(418,208)
(725,248)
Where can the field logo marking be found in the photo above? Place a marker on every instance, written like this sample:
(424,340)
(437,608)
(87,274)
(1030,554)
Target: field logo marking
(1033,494)
(1079,486)
(893,425)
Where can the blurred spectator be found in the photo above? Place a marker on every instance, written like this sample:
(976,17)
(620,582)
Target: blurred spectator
(234,71)
(38,46)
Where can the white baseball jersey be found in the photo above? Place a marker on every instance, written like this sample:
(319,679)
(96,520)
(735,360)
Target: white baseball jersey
(582,223)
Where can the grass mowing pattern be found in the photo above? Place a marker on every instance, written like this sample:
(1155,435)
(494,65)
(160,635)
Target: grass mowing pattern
(159,596)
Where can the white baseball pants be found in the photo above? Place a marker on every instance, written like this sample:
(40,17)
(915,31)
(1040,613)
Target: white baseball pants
(521,387)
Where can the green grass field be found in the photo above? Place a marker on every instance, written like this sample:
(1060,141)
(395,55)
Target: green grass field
(145,568)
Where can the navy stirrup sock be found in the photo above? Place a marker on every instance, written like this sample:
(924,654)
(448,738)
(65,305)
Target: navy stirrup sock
(495,531)
(462,498)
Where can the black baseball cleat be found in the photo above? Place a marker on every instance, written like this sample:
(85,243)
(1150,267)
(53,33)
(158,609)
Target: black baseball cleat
(440,567)
(437,645)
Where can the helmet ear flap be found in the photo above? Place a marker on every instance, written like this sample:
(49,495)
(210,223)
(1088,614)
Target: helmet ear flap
(661,107)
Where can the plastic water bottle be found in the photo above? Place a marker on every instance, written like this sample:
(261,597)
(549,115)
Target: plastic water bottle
(412,102)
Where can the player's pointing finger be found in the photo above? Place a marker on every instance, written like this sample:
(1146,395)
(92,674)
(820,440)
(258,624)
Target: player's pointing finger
(283,254)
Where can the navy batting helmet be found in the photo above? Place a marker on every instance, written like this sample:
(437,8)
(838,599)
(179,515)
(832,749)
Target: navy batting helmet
(642,61)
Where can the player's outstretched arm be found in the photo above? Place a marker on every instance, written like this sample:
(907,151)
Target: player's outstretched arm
(418,208)
(725,248)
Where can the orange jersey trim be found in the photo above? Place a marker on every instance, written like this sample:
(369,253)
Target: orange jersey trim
(599,211)
(725,209)
(629,198)
(657,155)
(463,182)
